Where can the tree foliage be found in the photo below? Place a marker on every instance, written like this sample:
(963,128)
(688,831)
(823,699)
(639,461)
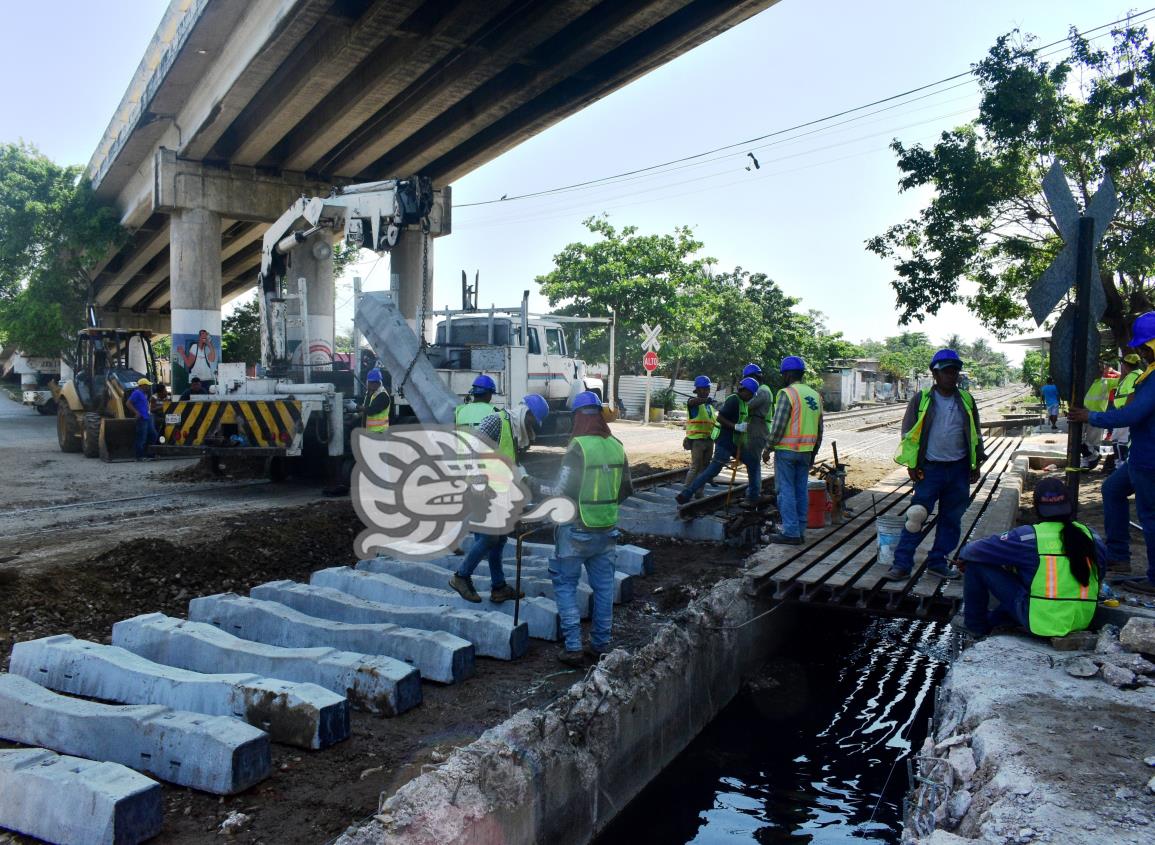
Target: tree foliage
(53,229)
(241,333)
(1034,371)
(989,223)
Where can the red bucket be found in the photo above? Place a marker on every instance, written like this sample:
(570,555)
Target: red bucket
(821,509)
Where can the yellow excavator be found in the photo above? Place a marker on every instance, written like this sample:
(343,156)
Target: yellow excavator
(91,408)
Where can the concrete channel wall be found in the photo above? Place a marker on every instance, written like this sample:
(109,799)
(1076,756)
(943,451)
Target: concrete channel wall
(560,775)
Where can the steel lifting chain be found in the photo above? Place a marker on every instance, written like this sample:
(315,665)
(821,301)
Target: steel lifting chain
(422,314)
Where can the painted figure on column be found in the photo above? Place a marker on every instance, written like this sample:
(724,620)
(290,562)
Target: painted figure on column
(198,355)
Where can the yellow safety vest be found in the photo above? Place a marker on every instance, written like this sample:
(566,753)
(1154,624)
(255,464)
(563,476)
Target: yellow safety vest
(699,427)
(910,447)
(1059,604)
(805,413)
(1126,388)
(743,415)
(470,414)
(377,423)
(603,463)
(1098,396)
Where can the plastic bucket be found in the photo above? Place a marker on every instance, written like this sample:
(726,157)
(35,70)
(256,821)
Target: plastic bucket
(889,529)
(820,509)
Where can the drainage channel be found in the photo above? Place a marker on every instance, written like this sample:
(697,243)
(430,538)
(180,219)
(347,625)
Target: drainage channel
(811,749)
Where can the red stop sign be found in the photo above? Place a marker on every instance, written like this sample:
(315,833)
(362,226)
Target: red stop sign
(650,361)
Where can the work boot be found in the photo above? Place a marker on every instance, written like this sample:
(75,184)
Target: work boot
(464,587)
(504,593)
(783,540)
(682,498)
(944,571)
(572,659)
(896,573)
(593,655)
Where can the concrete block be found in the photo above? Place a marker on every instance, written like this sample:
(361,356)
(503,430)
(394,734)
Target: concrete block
(304,715)
(369,682)
(73,801)
(492,634)
(430,575)
(642,521)
(216,754)
(538,567)
(539,614)
(438,656)
(631,559)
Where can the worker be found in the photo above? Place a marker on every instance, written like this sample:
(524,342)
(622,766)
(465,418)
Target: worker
(700,415)
(942,449)
(795,437)
(1098,398)
(512,432)
(1051,400)
(470,414)
(1139,415)
(1044,577)
(728,435)
(596,475)
(758,411)
(139,405)
(377,403)
(1131,370)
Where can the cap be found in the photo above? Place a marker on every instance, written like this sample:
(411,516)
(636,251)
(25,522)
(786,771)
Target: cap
(945,358)
(792,362)
(1052,498)
(751,370)
(483,384)
(749,384)
(143,382)
(702,381)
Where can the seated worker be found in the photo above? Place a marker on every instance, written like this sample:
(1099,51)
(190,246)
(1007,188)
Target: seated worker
(1044,577)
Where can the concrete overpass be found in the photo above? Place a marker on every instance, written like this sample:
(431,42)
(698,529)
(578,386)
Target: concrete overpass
(239,106)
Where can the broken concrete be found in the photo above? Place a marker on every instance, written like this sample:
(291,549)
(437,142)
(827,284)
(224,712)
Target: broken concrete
(304,715)
(438,656)
(492,634)
(216,754)
(1139,635)
(370,682)
(81,802)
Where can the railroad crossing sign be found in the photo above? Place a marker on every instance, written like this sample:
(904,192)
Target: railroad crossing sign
(650,342)
(1057,279)
(650,361)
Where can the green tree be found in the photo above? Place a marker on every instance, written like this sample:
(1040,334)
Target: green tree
(988,222)
(53,229)
(241,334)
(1035,369)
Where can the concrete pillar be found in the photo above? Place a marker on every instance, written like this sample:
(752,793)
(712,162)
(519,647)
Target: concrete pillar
(405,263)
(195,281)
(313,260)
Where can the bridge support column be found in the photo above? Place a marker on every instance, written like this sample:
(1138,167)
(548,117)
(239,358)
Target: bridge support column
(312,261)
(195,282)
(405,271)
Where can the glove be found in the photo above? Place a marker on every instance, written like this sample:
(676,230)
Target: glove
(740,427)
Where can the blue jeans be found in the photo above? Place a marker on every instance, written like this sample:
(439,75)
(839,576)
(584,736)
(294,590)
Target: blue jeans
(490,547)
(576,546)
(1124,481)
(980,582)
(948,484)
(752,458)
(791,474)
(145,435)
(723,454)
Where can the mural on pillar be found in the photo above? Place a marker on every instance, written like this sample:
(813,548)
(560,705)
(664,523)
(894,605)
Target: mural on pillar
(320,356)
(195,356)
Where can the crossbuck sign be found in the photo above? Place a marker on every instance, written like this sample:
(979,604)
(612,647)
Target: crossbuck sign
(650,342)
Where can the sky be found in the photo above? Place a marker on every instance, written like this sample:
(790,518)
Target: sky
(802,217)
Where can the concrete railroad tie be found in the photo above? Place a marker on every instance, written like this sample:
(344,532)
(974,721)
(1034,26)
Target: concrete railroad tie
(630,559)
(215,754)
(492,634)
(538,567)
(376,684)
(438,656)
(538,613)
(74,801)
(430,575)
(304,715)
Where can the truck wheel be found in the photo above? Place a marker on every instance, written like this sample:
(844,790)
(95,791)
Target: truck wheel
(91,435)
(276,468)
(47,409)
(67,429)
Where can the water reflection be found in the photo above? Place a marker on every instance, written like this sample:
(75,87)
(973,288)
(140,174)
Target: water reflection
(811,750)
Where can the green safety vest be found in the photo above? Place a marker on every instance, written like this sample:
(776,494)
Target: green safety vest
(1126,388)
(699,427)
(603,462)
(377,423)
(743,415)
(470,414)
(507,445)
(1098,396)
(1059,604)
(910,447)
(805,414)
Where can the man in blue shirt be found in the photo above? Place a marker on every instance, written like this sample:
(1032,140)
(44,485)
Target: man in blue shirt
(138,406)
(1139,415)
(1051,400)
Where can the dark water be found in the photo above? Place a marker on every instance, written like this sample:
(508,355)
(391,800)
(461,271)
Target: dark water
(812,750)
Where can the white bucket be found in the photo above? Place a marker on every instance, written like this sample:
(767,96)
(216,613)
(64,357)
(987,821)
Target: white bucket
(889,530)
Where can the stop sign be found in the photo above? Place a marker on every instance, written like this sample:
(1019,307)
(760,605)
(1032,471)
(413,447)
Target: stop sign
(650,361)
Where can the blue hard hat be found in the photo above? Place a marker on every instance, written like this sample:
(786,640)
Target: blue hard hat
(1143,329)
(945,358)
(374,375)
(791,362)
(751,370)
(483,384)
(702,381)
(587,399)
(749,384)
(537,406)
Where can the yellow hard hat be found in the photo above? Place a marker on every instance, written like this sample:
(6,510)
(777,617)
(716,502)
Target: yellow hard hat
(1133,359)
(143,382)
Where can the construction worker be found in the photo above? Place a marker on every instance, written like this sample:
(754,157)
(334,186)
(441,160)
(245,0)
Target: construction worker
(758,411)
(795,437)
(1131,369)
(1098,398)
(728,435)
(513,432)
(596,475)
(139,406)
(1044,577)
(1139,415)
(1051,400)
(377,403)
(700,416)
(942,449)
(479,407)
